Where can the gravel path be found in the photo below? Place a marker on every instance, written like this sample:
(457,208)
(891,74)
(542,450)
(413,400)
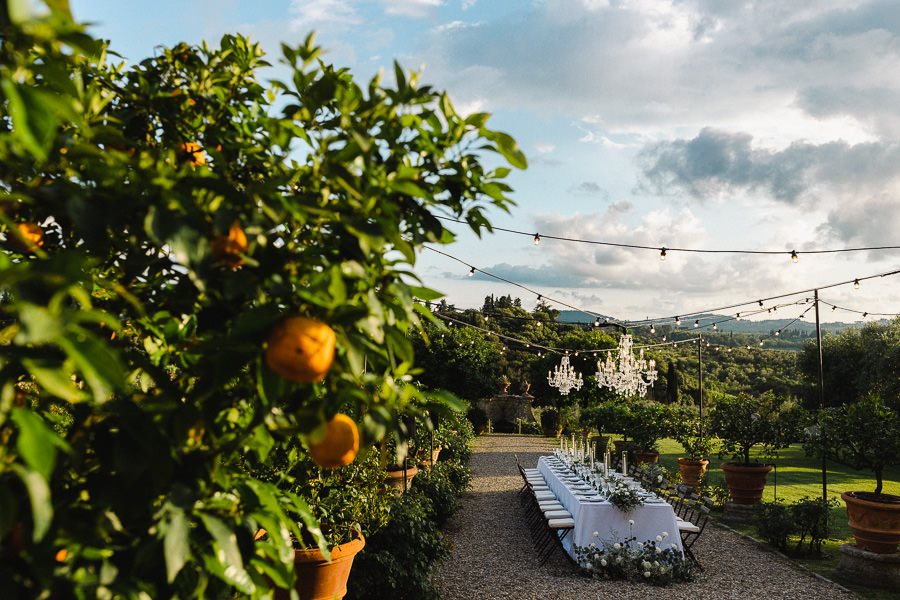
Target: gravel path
(493,557)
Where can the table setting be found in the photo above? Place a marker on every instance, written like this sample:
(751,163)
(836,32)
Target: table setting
(607,505)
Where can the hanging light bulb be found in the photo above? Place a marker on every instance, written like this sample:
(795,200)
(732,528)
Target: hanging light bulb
(856,284)
(715,327)
(662,254)
(678,321)
(487,318)
(777,332)
(652,329)
(865,314)
(597,322)
(664,338)
(738,317)
(697,323)
(472,272)
(833,308)
(539,297)
(537,239)
(794,257)
(760,304)
(760,343)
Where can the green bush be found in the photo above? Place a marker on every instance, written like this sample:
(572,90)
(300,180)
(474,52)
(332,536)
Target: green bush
(438,486)
(399,560)
(478,418)
(550,422)
(813,519)
(774,523)
(531,428)
(808,518)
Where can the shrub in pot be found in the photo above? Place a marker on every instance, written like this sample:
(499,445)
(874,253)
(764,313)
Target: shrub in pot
(744,422)
(694,435)
(550,423)
(478,418)
(864,435)
(646,424)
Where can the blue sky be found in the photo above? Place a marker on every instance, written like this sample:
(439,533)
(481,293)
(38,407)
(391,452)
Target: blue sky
(757,125)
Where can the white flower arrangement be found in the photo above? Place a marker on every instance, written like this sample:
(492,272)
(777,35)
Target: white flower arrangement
(644,561)
(624,497)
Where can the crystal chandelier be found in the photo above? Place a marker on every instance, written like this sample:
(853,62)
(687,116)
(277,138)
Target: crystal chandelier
(626,375)
(564,377)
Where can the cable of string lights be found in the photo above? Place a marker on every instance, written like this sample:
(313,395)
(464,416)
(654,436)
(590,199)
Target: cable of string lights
(794,255)
(676,319)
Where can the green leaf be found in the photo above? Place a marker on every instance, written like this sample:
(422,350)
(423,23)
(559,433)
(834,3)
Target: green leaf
(228,554)
(36,443)
(99,365)
(176,544)
(55,381)
(39,495)
(507,147)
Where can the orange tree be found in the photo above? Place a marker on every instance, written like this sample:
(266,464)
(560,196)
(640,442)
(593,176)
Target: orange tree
(186,208)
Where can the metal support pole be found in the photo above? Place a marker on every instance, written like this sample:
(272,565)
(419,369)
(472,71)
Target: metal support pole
(700,378)
(821,398)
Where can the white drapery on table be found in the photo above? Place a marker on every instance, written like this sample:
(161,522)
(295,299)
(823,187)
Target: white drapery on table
(650,519)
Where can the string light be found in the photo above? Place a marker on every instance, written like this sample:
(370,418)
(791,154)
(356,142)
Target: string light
(697,323)
(794,257)
(662,254)
(537,239)
(760,304)
(715,326)
(856,284)
(652,329)
(678,321)
(472,272)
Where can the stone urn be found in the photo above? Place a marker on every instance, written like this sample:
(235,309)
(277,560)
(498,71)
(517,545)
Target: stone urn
(645,456)
(745,482)
(874,519)
(691,470)
(394,479)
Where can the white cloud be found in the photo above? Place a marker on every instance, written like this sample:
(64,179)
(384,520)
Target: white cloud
(331,16)
(410,8)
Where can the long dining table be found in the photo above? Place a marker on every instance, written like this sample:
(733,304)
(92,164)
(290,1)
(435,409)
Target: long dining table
(591,514)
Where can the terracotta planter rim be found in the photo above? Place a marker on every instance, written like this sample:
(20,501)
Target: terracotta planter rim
(694,461)
(884,498)
(751,466)
(345,550)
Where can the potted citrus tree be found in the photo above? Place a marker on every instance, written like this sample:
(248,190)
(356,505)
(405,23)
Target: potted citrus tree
(607,417)
(693,434)
(646,425)
(864,435)
(745,422)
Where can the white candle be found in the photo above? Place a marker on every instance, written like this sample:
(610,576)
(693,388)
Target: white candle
(624,463)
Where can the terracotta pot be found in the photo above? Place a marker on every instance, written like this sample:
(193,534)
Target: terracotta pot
(691,470)
(745,482)
(318,579)
(645,456)
(875,524)
(394,479)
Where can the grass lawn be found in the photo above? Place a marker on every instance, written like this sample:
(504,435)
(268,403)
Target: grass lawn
(795,476)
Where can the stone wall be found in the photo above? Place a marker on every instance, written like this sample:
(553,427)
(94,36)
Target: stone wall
(508,408)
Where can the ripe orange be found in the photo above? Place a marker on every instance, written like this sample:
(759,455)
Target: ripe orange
(339,446)
(301,349)
(227,249)
(194,152)
(33,234)
(61,555)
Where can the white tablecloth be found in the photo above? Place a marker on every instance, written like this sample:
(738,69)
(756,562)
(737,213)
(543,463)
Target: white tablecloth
(650,520)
